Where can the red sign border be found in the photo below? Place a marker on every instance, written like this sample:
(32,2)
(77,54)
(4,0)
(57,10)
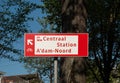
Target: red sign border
(85,36)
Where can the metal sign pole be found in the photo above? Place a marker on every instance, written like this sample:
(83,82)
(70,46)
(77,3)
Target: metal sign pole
(55,69)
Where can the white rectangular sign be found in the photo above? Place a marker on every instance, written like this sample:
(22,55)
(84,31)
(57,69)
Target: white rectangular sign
(56,44)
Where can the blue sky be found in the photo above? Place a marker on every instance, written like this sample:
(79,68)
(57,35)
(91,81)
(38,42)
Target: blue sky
(16,68)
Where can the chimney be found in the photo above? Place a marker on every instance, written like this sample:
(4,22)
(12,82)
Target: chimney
(1,75)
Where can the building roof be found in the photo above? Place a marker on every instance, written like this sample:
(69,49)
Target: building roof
(2,73)
(22,78)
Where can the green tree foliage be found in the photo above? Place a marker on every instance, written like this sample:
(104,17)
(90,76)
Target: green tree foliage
(92,72)
(13,18)
(52,8)
(46,27)
(103,24)
(115,74)
(104,28)
(44,66)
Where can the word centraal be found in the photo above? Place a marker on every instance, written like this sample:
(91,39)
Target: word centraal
(51,38)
